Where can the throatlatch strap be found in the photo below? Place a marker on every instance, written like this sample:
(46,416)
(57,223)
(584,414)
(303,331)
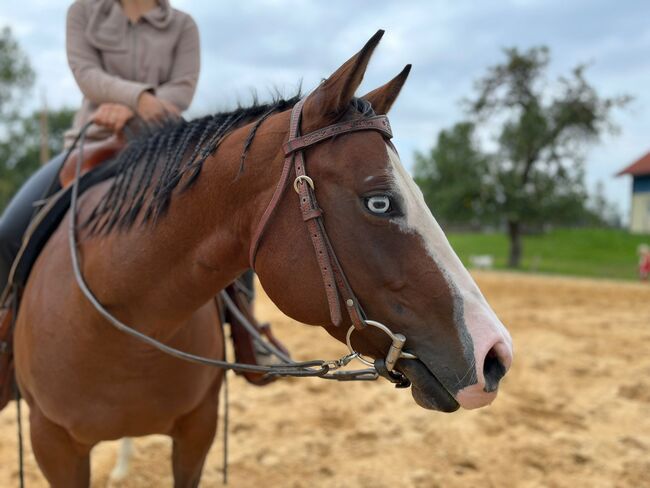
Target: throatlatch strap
(270,210)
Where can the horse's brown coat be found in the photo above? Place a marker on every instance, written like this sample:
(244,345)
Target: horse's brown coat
(86,382)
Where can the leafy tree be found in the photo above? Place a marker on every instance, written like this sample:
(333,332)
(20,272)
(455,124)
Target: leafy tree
(16,75)
(601,211)
(20,135)
(452,177)
(20,153)
(535,175)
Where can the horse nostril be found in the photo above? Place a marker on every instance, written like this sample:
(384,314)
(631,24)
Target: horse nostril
(493,370)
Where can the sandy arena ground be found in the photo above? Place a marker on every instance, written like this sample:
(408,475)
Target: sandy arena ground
(573,412)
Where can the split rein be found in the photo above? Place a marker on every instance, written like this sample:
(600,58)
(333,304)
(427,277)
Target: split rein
(334,278)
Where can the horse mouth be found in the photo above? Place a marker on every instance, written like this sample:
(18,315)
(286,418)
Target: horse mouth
(427,390)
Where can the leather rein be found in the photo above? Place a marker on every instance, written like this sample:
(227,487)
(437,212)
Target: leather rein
(334,279)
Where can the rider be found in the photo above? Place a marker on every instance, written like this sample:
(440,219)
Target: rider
(128,57)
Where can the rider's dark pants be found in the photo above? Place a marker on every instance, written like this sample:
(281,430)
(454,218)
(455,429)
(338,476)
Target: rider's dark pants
(19,212)
(249,282)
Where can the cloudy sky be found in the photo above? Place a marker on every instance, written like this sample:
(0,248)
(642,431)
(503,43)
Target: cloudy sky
(265,44)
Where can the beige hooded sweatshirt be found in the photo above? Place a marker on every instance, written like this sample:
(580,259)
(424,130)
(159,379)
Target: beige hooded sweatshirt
(114,60)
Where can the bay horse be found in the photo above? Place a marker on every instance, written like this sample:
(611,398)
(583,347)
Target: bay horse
(177,225)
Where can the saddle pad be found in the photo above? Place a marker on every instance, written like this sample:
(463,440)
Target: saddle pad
(47,220)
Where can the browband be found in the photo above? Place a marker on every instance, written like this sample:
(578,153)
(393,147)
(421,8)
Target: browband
(378,122)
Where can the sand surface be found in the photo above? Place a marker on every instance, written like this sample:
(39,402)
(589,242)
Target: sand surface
(573,412)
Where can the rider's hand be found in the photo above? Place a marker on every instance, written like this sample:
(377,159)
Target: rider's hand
(154,109)
(171,109)
(113,116)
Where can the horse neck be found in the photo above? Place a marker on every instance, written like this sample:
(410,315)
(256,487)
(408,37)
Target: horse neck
(163,273)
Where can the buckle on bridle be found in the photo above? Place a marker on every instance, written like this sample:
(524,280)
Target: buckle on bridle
(304,178)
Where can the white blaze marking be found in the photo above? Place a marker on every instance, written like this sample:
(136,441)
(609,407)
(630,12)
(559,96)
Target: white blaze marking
(470,306)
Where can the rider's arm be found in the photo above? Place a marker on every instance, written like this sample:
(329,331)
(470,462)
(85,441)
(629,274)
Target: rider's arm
(84,60)
(181,86)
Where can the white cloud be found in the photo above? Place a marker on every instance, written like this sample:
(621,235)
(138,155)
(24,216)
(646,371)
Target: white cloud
(266,44)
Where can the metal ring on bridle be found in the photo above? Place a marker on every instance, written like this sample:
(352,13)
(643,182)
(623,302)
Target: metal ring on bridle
(394,353)
(305,178)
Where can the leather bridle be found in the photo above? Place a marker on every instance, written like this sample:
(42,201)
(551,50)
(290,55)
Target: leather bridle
(334,279)
(336,284)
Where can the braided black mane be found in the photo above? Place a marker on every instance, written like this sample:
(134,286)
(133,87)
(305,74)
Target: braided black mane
(154,164)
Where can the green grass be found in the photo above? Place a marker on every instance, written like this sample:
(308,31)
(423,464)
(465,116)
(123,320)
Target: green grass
(602,253)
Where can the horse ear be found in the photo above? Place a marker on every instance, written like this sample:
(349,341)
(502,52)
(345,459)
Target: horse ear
(332,97)
(382,98)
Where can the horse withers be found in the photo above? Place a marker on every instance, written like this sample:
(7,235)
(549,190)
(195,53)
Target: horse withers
(176,226)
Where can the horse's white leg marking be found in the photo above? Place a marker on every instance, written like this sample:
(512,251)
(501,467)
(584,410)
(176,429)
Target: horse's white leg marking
(124,455)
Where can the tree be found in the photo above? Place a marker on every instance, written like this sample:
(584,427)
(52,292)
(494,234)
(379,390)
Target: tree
(535,175)
(452,177)
(16,75)
(601,211)
(20,153)
(20,135)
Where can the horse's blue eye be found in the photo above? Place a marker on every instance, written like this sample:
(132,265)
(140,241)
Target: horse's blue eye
(379,204)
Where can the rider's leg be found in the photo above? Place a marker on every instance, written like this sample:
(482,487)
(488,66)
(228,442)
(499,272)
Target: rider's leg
(18,213)
(248,279)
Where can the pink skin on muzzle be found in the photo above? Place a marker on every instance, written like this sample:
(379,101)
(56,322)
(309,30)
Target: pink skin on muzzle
(492,352)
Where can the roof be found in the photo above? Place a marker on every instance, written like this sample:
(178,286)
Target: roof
(638,168)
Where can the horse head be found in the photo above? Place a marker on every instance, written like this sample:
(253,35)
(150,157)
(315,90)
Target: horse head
(395,255)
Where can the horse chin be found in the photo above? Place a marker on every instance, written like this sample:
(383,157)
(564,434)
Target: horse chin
(426,389)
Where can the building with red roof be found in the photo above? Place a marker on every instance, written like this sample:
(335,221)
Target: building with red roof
(640,208)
